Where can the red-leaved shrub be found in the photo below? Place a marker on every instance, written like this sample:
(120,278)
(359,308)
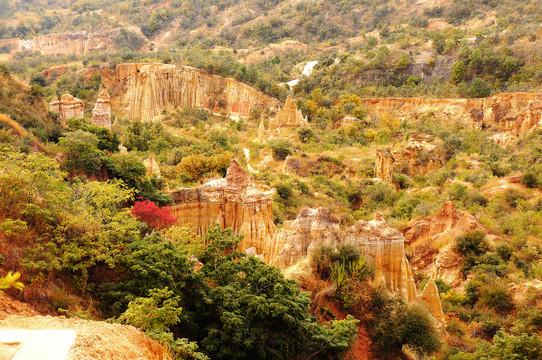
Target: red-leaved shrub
(157,218)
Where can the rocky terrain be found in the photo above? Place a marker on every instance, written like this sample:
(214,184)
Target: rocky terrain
(144,91)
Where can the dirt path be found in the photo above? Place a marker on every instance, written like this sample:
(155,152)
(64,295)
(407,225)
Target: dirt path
(19,130)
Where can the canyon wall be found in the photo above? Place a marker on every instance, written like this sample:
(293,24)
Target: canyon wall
(510,114)
(144,91)
(75,42)
(432,239)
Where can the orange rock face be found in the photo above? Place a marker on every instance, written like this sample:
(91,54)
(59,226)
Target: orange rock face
(289,116)
(67,107)
(237,202)
(54,72)
(432,240)
(75,42)
(384,165)
(144,91)
(233,202)
(421,155)
(101,114)
(511,114)
(152,167)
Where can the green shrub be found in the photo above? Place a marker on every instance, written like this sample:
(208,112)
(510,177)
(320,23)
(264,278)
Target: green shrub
(530,180)
(280,148)
(472,243)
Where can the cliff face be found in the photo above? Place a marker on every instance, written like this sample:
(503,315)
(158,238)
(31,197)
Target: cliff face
(432,240)
(237,202)
(288,116)
(384,165)
(421,155)
(67,107)
(75,42)
(511,115)
(143,91)
(233,202)
(101,114)
(314,228)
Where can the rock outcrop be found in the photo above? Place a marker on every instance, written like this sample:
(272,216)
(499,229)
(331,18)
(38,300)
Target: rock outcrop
(383,245)
(288,117)
(384,165)
(152,167)
(421,155)
(144,91)
(101,114)
(236,202)
(431,240)
(75,42)
(67,107)
(509,114)
(54,72)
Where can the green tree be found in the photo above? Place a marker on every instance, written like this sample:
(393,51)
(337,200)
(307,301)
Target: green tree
(479,89)
(82,153)
(280,148)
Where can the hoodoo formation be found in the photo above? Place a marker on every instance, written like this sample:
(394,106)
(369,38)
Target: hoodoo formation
(288,117)
(67,107)
(101,114)
(143,91)
(237,202)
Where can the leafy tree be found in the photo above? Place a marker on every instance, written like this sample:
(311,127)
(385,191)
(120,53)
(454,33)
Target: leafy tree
(397,324)
(529,179)
(280,148)
(82,153)
(157,218)
(479,89)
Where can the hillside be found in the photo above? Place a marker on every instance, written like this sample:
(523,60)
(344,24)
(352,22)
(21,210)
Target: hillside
(270,179)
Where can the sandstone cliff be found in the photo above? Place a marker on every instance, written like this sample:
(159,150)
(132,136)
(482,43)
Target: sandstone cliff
(237,202)
(289,116)
(432,240)
(383,245)
(144,91)
(101,114)
(67,107)
(420,155)
(233,202)
(509,114)
(75,42)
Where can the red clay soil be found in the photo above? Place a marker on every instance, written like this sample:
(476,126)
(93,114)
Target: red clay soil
(8,307)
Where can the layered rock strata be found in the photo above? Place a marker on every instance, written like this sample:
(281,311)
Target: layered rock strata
(144,91)
(381,244)
(421,155)
(510,114)
(68,107)
(75,42)
(289,116)
(236,202)
(101,114)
